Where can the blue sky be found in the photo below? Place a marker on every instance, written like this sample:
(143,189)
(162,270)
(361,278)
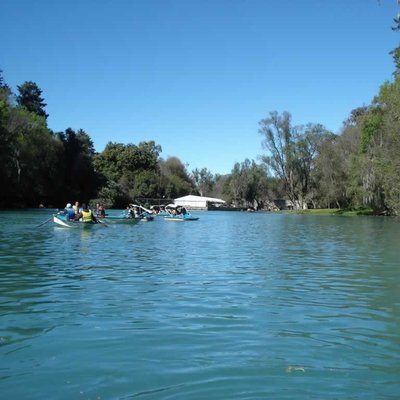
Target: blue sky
(197,76)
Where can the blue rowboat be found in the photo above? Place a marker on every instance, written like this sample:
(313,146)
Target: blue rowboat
(180,218)
(120,219)
(64,222)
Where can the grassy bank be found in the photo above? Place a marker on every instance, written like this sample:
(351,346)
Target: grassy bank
(337,211)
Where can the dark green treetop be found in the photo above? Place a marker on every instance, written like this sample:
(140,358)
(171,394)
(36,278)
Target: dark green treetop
(30,98)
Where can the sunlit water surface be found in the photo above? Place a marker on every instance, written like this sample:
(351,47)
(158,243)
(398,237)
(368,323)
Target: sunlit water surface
(232,306)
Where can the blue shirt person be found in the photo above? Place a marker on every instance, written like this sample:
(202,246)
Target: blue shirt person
(70,213)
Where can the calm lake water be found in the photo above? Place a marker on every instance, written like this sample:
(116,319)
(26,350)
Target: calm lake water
(232,306)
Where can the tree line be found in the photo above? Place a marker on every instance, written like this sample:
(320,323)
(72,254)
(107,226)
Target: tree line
(40,166)
(306,165)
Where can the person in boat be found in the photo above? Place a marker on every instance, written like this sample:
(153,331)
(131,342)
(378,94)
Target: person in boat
(101,212)
(129,212)
(86,215)
(69,212)
(136,213)
(76,207)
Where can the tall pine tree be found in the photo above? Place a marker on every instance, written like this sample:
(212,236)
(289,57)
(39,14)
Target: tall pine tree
(30,98)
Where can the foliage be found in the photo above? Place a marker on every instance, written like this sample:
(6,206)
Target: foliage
(30,157)
(5,91)
(175,179)
(386,149)
(361,167)
(30,98)
(247,185)
(370,127)
(218,186)
(291,153)
(118,159)
(2,82)
(134,169)
(142,184)
(204,181)
(112,195)
(79,176)
(358,169)
(335,179)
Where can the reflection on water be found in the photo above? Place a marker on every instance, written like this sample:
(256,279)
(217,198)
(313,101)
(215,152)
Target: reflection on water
(234,305)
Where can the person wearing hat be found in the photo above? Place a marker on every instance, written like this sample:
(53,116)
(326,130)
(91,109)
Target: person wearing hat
(70,213)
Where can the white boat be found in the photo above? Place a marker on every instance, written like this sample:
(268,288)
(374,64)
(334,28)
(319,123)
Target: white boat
(62,221)
(142,213)
(178,214)
(159,211)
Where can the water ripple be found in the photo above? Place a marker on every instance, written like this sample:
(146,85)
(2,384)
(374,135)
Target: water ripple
(236,305)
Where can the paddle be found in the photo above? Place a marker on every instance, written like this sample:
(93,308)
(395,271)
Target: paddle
(45,222)
(103,224)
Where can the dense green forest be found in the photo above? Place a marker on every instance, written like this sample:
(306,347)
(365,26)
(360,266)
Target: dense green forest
(307,165)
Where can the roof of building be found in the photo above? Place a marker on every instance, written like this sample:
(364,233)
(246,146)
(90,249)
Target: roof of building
(199,198)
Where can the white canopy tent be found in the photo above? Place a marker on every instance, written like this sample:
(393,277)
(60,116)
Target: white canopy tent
(197,202)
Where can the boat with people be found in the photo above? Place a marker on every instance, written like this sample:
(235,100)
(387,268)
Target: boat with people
(136,211)
(159,211)
(178,213)
(68,218)
(120,219)
(62,220)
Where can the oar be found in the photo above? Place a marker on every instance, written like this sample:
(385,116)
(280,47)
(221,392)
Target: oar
(45,222)
(103,224)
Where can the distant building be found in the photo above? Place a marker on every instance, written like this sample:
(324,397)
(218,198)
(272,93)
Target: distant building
(197,202)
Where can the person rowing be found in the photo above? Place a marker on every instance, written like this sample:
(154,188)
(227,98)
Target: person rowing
(69,212)
(101,212)
(86,215)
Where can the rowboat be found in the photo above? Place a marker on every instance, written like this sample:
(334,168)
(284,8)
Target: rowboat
(180,218)
(119,219)
(62,221)
(159,211)
(178,214)
(141,213)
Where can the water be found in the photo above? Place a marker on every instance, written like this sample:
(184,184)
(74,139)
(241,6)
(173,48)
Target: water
(232,306)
